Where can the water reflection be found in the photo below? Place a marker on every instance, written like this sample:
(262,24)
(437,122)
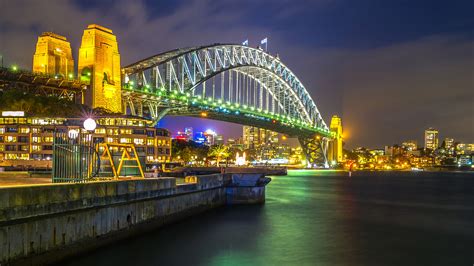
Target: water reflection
(320,218)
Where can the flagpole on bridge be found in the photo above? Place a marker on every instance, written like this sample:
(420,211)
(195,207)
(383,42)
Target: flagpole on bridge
(265,41)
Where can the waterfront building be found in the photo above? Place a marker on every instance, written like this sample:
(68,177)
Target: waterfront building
(470,148)
(448,143)
(431,139)
(394,150)
(53,56)
(410,145)
(461,148)
(99,64)
(28,141)
(448,146)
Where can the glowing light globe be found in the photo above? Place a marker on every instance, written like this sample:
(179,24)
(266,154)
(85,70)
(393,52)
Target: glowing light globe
(73,134)
(90,124)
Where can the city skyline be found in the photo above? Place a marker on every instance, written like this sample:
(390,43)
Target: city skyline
(386,77)
(178,126)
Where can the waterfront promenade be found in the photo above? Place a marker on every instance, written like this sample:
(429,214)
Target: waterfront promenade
(42,222)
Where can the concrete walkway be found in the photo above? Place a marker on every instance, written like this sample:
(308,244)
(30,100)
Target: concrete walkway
(13,179)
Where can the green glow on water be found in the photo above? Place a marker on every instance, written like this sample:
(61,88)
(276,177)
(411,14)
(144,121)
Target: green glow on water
(319,217)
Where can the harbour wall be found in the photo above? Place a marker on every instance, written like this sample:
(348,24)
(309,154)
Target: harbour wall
(41,224)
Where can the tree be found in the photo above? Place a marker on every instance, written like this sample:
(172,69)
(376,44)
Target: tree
(219,151)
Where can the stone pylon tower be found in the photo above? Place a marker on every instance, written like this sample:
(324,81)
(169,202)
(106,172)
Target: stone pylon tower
(99,63)
(335,146)
(53,56)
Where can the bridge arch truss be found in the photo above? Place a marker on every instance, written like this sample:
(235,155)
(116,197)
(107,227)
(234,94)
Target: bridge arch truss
(226,74)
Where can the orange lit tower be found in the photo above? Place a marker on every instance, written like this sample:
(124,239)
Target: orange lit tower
(335,147)
(99,63)
(53,56)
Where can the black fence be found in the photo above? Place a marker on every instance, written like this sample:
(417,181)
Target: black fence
(75,157)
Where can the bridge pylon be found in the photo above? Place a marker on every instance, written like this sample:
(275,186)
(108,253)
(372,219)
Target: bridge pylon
(315,148)
(99,64)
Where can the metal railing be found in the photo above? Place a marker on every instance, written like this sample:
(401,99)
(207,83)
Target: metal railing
(75,158)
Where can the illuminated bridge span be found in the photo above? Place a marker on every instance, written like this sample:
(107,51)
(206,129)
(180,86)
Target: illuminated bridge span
(227,82)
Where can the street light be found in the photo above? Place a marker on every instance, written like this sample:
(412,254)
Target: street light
(90,124)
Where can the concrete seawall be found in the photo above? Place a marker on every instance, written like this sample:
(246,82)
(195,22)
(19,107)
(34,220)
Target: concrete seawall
(44,223)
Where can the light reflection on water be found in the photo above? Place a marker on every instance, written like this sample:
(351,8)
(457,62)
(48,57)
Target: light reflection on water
(320,218)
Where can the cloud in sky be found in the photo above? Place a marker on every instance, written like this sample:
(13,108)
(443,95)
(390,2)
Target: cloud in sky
(387,86)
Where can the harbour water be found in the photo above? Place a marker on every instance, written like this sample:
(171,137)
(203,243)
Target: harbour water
(320,218)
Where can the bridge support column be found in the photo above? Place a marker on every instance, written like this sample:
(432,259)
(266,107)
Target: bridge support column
(160,114)
(140,109)
(315,149)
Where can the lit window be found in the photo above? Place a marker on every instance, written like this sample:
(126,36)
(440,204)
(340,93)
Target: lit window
(100,130)
(35,147)
(10,139)
(10,156)
(138,141)
(24,130)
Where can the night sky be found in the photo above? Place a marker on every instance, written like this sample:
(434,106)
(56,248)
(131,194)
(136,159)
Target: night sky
(389,68)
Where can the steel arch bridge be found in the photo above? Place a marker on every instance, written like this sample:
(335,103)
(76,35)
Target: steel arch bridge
(231,83)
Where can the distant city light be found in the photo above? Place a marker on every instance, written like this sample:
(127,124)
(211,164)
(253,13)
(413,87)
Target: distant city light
(210,132)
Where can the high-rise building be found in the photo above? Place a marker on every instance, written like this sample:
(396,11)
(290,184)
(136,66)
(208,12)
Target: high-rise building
(335,147)
(431,139)
(188,131)
(99,63)
(180,135)
(53,56)
(254,137)
(448,143)
(210,136)
(219,140)
(199,137)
